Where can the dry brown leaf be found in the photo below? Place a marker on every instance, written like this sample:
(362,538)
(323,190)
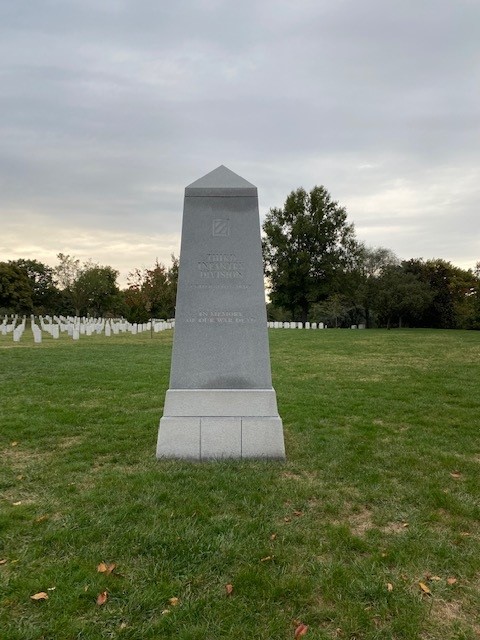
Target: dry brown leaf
(106,568)
(389,586)
(266,558)
(424,588)
(39,596)
(301,630)
(4,561)
(451,580)
(102,598)
(456,474)
(173,601)
(229,589)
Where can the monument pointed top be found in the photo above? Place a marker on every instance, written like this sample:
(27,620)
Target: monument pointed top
(221,182)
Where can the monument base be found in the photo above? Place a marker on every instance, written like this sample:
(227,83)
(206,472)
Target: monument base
(203,424)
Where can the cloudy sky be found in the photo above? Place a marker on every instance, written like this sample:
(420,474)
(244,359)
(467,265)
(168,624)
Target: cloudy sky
(108,109)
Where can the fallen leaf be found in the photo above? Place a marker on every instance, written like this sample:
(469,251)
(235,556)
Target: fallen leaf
(436,578)
(20,477)
(465,534)
(106,568)
(102,598)
(229,589)
(40,596)
(4,561)
(165,611)
(456,474)
(389,586)
(301,630)
(14,444)
(15,504)
(173,601)
(266,558)
(424,588)
(273,536)
(451,580)
(405,525)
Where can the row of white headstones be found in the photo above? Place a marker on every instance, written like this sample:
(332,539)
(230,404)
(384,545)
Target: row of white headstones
(76,326)
(307,325)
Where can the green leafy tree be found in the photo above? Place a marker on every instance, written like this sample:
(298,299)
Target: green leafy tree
(88,289)
(453,288)
(15,289)
(45,295)
(371,261)
(95,290)
(151,293)
(308,248)
(332,310)
(400,294)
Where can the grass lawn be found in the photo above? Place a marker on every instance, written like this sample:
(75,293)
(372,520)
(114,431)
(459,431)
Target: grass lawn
(379,494)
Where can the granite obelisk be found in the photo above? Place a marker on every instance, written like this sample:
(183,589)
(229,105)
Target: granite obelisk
(220,402)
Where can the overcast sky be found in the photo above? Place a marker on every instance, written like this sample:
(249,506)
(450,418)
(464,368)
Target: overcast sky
(109,108)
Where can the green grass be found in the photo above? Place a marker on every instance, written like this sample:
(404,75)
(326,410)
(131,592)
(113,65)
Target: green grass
(376,423)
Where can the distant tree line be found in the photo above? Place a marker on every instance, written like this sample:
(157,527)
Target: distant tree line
(318,270)
(88,289)
(315,267)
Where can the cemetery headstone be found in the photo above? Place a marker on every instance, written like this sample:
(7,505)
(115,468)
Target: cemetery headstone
(220,402)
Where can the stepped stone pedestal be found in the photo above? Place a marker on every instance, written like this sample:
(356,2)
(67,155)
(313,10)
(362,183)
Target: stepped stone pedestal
(220,403)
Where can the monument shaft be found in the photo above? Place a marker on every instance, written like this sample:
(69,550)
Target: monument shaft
(220,402)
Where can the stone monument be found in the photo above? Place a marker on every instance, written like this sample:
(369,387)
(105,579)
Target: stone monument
(220,402)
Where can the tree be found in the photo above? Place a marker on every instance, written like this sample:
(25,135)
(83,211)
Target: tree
(399,294)
(89,289)
(95,290)
(333,308)
(15,289)
(45,295)
(308,249)
(453,291)
(370,264)
(151,293)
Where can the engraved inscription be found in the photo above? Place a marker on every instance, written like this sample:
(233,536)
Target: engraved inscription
(221,228)
(220,265)
(221,317)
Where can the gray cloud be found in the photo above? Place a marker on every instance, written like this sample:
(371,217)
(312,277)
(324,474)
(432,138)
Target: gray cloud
(109,109)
